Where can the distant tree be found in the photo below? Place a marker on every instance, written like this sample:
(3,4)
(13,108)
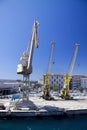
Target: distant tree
(80,88)
(55,88)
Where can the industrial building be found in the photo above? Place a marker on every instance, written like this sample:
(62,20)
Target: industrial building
(78,80)
(9,87)
(56,80)
(84,83)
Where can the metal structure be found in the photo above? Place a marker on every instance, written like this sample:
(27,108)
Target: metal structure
(65,93)
(46,90)
(74,59)
(25,64)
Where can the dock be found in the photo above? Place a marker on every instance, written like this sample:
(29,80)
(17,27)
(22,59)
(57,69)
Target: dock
(41,107)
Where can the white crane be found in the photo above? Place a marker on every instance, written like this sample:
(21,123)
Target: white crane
(25,65)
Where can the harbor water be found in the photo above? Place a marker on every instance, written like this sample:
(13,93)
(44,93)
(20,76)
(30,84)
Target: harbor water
(66,123)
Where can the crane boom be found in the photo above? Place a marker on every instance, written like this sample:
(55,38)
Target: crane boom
(51,58)
(73,60)
(33,40)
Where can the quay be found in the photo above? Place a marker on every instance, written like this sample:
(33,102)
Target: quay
(41,107)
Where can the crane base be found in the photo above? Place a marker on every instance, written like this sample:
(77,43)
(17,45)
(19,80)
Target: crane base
(67,97)
(47,97)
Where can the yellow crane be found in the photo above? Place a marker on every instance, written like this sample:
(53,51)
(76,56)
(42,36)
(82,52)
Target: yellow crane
(46,90)
(65,92)
(25,64)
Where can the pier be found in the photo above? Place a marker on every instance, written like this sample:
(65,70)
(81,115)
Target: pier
(41,107)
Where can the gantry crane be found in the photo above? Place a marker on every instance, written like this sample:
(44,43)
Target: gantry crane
(25,64)
(46,90)
(65,92)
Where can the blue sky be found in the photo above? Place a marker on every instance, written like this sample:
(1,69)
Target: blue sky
(64,21)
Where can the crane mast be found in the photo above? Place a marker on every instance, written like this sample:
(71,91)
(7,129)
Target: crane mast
(51,58)
(25,65)
(46,90)
(74,59)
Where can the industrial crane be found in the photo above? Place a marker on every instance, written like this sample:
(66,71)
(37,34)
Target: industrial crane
(65,92)
(25,64)
(46,90)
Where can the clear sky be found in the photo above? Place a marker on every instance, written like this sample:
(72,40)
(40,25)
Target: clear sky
(64,21)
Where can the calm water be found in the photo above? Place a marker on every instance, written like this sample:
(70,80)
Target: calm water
(74,123)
